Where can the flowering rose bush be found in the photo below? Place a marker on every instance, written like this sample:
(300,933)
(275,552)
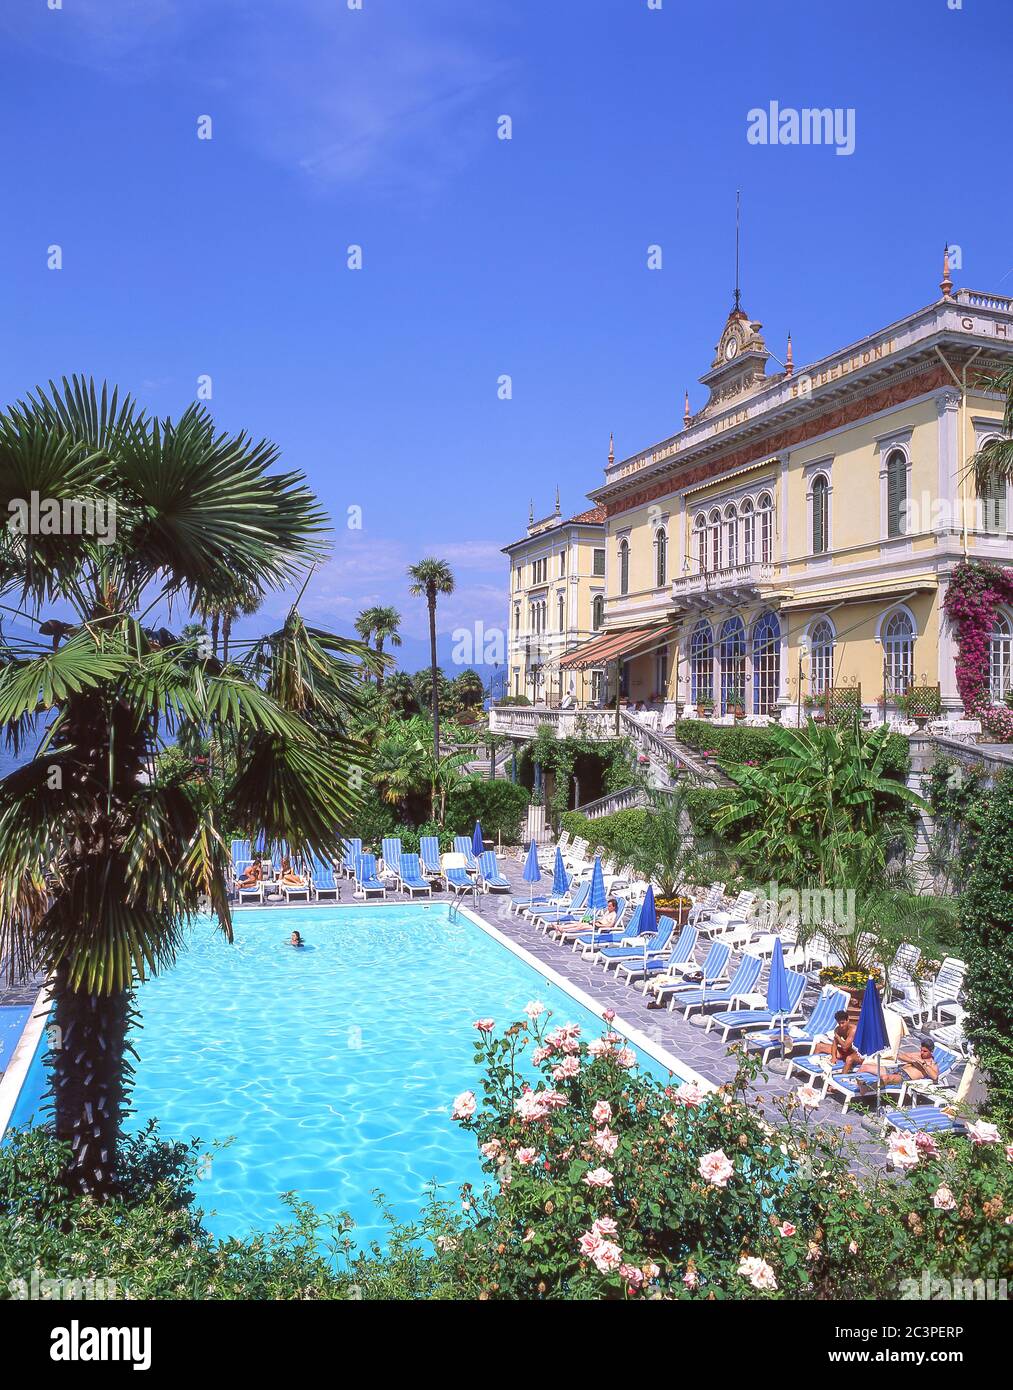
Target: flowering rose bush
(607,1183)
(975,592)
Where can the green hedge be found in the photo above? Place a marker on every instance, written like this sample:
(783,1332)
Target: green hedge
(741,745)
(701,802)
(499,804)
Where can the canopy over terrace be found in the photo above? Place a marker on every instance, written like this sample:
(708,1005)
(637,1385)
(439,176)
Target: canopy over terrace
(617,645)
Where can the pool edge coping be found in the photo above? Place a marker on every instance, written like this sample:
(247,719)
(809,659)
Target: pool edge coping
(14,1077)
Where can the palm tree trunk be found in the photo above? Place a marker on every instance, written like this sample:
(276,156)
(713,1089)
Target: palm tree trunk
(89,1081)
(436,697)
(226,634)
(214,634)
(379,674)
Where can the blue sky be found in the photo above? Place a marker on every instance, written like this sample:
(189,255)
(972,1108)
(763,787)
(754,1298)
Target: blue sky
(482,257)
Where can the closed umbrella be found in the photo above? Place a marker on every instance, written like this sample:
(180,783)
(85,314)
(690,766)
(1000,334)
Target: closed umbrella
(596,899)
(477,842)
(648,924)
(532,873)
(777,987)
(560,878)
(871,1036)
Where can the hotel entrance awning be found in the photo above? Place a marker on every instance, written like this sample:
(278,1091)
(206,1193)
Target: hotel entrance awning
(621,642)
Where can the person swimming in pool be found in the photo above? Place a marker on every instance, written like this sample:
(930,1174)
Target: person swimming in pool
(296,940)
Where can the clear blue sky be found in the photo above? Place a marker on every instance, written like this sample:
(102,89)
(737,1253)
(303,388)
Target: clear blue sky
(528,257)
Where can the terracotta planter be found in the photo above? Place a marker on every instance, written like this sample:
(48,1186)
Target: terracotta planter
(676,908)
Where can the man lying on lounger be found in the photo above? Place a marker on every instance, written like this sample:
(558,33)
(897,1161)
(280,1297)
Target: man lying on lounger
(252,875)
(842,1045)
(914,1063)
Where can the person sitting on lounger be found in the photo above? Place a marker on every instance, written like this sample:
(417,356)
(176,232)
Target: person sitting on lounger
(296,940)
(252,875)
(607,919)
(842,1045)
(289,877)
(915,1062)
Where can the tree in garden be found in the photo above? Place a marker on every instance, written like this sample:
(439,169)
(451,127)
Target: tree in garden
(382,623)
(987,946)
(469,689)
(130,858)
(399,689)
(667,847)
(432,578)
(993,462)
(403,766)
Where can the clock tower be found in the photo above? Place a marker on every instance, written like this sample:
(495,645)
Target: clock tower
(740,360)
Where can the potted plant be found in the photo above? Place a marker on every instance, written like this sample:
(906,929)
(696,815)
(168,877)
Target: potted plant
(666,853)
(705,706)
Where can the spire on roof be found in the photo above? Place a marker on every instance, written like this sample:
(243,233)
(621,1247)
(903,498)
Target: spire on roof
(531,512)
(946,284)
(686,416)
(557,499)
(789,360)
(612,449)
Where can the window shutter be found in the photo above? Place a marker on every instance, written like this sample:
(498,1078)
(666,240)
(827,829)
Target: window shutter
(896,490)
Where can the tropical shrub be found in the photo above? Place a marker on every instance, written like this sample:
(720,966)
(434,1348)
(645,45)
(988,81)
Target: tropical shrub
(736,745)
(620,836)
(702,806)
(499,804)
(609,1184)
(987,923)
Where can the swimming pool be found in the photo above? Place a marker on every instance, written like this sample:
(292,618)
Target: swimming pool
(334,1067)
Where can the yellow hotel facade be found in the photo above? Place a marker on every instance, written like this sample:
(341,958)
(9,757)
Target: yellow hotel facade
(798,534)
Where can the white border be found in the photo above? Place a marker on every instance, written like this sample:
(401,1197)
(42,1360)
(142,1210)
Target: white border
(24,1051)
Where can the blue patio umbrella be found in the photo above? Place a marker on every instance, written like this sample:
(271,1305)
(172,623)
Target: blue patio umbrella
(532,873)
(596,899)
(560,878)
(260,846)
(477,843)
(648,924)
(777,987)
(871,1036)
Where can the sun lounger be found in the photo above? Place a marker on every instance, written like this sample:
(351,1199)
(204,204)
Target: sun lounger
(564,912)
(746,975)
(410,878)
(367,881)
(713,970)
(429,853)
(456,875)
(801,1037)
(489,876)
(351,851)
(633,954)
(462,845)
(325,885)
(657,966)
(738,1020)
(583,937)
(579,930)
(390,855)
(253,892)
(924,1119)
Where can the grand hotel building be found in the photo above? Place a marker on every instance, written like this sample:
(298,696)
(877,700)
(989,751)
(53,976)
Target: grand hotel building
(797,534)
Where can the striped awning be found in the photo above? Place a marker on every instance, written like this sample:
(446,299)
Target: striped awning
(620,642)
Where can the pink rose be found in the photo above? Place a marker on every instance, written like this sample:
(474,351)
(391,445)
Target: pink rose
(464,1106)
(903,1150)
(944,1199)
(606,1140)
(808,1097)
(535,1009)
(984,1133)
(716,1168)
(627,1057)
(651,1270)
(607,1257)
(853,1247)
(926,1145)
(604,1226)
(786,1229)
(691,1279)
(602,1113)
(608,1015)
(598,1177)
(689,1093)
(568,1067)
(485,1025)
(633,1276)
(1009,1152)
(758,1272)
(597,1047)
(491,1149)
(525,1156)
(540,1054)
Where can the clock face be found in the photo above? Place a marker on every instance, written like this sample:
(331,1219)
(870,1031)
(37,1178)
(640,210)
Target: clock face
(731,348)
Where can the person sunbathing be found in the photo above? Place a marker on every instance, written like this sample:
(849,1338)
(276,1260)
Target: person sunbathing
(289,877)
(915,1062)
(841,1046)
(251,875)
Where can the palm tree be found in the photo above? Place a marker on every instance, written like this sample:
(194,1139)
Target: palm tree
(381,622)
(430,578)
(130,858)
(993,463)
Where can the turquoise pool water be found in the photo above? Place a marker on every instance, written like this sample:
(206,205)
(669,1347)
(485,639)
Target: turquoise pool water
(333,1067)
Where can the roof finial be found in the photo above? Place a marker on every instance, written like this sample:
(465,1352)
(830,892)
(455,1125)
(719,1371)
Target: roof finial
(686,416)
(738,296)
(612,449)
(946,284)
(531,512)
(789,360)
(557,499)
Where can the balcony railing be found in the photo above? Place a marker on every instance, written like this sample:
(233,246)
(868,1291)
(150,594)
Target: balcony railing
(723,583)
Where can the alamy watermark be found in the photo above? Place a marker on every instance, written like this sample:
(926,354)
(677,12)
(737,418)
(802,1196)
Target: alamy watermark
(63,516)
(812,125)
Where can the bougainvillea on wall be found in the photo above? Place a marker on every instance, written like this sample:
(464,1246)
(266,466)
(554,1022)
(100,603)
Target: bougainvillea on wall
(976,590)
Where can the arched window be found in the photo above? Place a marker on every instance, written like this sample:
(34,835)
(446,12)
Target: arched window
(896,493)
(715,530)
(898,652)
(821,514)
(660,556)
(701,662)
(765,508)
(1000,658)
(748,532)
(597,611)
(561,603)
(700,532)
(732,659)
(624,566)
(731,536)
(821,662)
(992,506)
(766,663)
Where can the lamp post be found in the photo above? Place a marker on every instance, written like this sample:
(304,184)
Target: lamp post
(803,653)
